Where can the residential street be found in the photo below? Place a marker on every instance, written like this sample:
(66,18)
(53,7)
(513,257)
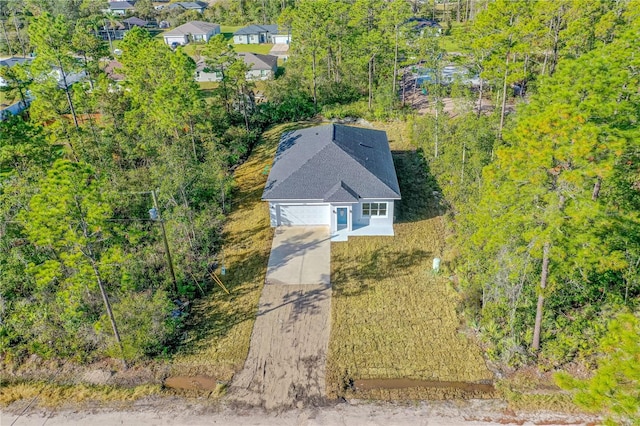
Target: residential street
(174,411)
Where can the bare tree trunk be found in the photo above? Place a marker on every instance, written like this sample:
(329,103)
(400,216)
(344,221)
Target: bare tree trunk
(107,306)
(395,65)
(371,81)
(535,345)
(504,96)
(556,37)
(15,24)
(4,31)
(596,189)
(464,155)
(313,71)
(193,139)
(109,38)
(244,109)
(480,93)
(68,93)
(436,130)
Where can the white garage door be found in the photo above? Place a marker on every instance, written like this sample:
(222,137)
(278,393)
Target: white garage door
(299,214)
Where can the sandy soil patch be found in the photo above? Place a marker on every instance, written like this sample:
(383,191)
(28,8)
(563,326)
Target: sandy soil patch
(286,362)
(176,411)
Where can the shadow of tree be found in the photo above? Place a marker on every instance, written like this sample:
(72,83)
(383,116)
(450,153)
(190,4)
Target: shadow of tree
(421,195)
(292,247)
(305,301)
(376,265)
(247,248)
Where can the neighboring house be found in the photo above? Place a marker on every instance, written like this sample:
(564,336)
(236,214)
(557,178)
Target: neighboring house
(188,5)
(9,62)
(121,7)
(113,71)
(191,31)
(113,31)
(134,22)
(70,77)
(423,25)
(334,175)
(261,67)
(255,34)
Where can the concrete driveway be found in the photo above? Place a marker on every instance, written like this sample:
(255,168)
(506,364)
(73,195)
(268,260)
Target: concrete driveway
(300,255)
(285,366)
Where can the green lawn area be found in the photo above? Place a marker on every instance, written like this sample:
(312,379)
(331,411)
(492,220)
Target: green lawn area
(253,48)
(391,316)
(452,42)
(228,30)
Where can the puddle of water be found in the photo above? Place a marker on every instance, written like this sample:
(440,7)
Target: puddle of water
(370,384)
(201,383)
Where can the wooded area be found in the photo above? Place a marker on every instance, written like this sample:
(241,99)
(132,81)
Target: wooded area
(538,164)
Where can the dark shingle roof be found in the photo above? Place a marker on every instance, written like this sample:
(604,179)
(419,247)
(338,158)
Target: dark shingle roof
(135,21)
(189,5)
(193,27)
(256,29)
(9,62)
(333,163)
(257,61)
(121,5)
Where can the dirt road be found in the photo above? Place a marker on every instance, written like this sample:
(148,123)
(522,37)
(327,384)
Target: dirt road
(286,362)
(175,411)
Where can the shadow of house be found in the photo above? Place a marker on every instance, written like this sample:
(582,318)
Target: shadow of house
(422,196)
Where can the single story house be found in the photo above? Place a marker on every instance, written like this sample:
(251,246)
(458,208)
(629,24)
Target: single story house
(121,7)
(260,67)
(9,62)
(112,31)
(255,34)
(191,31)
(334,175)
(113,70)
(198,6)
(134,22)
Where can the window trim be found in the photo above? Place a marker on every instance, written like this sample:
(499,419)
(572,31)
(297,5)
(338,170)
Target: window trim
(377,210)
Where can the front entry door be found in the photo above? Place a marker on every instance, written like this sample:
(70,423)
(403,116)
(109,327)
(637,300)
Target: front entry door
(342,218)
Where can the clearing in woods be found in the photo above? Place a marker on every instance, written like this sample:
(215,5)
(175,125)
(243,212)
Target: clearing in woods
(392,318)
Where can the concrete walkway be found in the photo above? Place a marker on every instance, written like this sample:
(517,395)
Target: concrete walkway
(300,255)
(286,363)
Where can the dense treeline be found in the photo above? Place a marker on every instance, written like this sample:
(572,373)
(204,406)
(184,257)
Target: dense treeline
(85,272)
(544,202)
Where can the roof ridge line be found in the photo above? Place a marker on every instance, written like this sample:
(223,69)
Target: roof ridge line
(333,141)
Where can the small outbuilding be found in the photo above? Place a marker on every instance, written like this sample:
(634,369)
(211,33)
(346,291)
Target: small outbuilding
(334,175)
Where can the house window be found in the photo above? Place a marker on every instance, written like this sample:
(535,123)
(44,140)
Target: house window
(374,209)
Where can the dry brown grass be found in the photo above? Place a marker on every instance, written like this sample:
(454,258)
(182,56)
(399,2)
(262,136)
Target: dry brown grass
(218,340)
(55,395)
(219,337)
(391,316)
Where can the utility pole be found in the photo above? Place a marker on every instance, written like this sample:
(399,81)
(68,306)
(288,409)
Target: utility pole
(155,215)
